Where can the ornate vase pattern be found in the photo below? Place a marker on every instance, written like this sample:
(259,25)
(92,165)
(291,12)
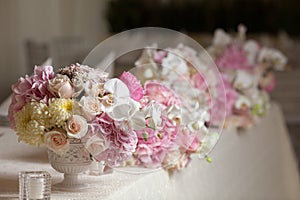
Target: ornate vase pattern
(76,160)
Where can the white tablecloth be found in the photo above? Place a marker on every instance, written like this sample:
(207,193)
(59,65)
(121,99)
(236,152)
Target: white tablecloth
(256,164)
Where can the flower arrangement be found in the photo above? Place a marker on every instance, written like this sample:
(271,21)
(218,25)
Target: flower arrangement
(248,73)
(119,120)
(175,67)
(241,96)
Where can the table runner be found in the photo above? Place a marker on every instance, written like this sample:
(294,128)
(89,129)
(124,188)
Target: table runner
(255,164)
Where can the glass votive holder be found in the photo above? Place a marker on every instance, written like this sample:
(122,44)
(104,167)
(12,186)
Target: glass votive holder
(34,185)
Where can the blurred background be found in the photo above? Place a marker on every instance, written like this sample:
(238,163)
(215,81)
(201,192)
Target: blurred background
(65,31)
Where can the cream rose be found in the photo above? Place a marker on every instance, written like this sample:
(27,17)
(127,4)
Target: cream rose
(96,144)
(57,141)
(77,126)
(61,86)
(91,107)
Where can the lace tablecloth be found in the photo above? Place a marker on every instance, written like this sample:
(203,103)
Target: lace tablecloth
(256,164)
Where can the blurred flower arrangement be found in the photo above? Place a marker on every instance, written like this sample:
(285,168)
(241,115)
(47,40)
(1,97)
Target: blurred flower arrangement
(174,67)
(247,70)
(119,120)
(241,96)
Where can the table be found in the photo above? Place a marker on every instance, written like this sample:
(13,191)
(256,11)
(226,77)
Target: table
(255,164)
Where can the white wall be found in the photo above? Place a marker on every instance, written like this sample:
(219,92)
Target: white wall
(43,20)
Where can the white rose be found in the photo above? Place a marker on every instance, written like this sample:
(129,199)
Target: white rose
(96,144)
(91,107)
(77,126)
(61,86)
(57,141)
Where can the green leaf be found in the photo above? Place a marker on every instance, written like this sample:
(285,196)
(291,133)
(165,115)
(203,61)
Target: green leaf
(145,136)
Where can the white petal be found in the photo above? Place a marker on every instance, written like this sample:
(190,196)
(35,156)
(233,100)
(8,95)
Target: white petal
(117,87)
(120,112)
(138,121)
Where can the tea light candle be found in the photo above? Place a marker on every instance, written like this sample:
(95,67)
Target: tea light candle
(36,186)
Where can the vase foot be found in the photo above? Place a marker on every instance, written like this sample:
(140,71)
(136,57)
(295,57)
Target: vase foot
(75,187)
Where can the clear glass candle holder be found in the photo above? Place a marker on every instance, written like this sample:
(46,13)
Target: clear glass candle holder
(34,185)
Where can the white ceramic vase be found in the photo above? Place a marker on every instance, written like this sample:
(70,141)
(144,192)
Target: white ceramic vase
(76,160)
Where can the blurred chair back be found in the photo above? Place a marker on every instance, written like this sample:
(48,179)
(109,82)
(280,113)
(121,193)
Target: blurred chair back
(67,50)
(36,54)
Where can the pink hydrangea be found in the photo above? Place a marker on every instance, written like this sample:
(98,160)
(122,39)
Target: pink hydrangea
(34,87)
(231,96)
(153,145)
(161,94)
(219,105)
(234,57)
(122,143)
(133,84)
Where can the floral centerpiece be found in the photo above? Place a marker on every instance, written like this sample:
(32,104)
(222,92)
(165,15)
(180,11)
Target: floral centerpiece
(119,121)
(188,74)
(248,74)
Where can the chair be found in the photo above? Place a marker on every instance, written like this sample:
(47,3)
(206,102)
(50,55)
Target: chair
(36,53)
(67,50)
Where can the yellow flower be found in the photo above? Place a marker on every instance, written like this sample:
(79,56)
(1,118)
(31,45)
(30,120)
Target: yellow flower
(60,110)
(31,122)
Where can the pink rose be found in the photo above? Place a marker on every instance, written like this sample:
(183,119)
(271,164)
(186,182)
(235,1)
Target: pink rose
(77,126)
(57,141)
(61,86)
